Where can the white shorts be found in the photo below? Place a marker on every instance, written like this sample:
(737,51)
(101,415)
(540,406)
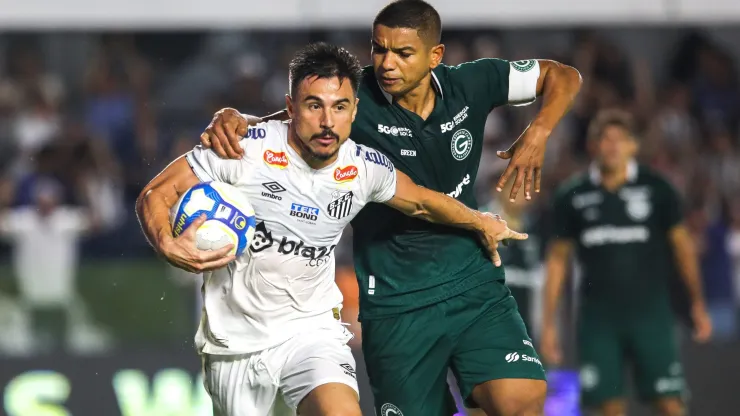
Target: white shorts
(273,382)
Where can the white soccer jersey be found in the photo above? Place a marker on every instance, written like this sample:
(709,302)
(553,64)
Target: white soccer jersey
(284,284)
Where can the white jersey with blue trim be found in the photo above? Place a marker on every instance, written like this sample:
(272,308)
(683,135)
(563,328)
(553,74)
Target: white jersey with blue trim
(284,284)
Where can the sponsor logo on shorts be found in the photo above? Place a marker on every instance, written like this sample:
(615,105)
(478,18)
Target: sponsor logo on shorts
(513,357)
(389,409)
(349,370)
(276,159)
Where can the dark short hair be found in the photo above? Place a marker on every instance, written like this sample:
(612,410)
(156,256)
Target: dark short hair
(324,61)
(609,118)
(412,14)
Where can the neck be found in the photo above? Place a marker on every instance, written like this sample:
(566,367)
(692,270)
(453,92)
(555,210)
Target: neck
(614,178)
(420,99)
(296,144)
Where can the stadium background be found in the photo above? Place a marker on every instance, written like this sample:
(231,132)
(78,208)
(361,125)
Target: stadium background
(95,99)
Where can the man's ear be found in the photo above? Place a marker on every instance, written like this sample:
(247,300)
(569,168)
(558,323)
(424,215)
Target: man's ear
(354,112)
(289,105)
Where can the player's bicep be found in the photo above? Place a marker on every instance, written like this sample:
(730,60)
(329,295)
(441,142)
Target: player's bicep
(173,181)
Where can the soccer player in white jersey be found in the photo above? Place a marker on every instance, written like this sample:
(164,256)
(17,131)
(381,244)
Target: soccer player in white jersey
(271,334)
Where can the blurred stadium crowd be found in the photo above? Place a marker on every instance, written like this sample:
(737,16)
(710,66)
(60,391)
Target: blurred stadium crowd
(86,120)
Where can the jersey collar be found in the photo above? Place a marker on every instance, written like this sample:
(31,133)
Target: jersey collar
(435,84)
(595,173)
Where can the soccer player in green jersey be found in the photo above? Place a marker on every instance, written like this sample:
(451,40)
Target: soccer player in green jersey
(430,298)
(624,223)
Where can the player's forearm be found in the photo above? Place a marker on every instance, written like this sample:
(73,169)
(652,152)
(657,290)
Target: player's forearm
(152,210)
(559,88)
(555,274)
(688,264)
(439,208)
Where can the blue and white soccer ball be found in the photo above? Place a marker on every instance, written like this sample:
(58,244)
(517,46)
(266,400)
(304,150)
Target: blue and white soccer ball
(230,216)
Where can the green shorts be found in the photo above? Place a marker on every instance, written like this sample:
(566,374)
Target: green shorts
(648,346)
(478,334)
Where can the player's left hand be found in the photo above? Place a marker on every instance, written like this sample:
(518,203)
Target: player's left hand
(224,132)
(526,156)
(495,230)
(702,323)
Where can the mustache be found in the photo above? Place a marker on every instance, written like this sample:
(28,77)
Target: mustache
(326,132)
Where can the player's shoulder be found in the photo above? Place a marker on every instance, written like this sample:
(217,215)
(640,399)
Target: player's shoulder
(649,175)
(267,133)
(365,156)
(460,72)
(656,180)
(267,129)
(576,183)
(369,91)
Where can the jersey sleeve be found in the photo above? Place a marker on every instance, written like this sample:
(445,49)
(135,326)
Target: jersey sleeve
(563,221)
(671,206)
(381,175)
(497,82)
(75,220)
(208,166)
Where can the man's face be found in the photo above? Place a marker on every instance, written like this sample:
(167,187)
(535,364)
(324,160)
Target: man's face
(615,147)
(322,110)
(401,59)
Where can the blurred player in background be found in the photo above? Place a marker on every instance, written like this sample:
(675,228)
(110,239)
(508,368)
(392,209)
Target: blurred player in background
(430,298)
(623,222)
(46,237)
(271,335)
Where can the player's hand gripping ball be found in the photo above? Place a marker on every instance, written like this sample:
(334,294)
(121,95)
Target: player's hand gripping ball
(229,216)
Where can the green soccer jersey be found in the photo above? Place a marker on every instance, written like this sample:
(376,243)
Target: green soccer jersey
(404,263)
(621,238)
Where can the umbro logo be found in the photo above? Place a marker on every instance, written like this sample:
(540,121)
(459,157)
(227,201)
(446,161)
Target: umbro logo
(349,370)
(273,187)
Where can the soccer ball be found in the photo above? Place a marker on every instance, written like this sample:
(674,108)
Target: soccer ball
(230,216)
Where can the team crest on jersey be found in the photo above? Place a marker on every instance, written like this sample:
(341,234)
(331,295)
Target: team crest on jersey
(276,159)
(638,209)
(346,174)
(341,204)
(461,144)
(390,409)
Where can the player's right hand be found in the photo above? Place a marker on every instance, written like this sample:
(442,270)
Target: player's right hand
(224,132)
(495,230)
(550,345)
(182,252)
